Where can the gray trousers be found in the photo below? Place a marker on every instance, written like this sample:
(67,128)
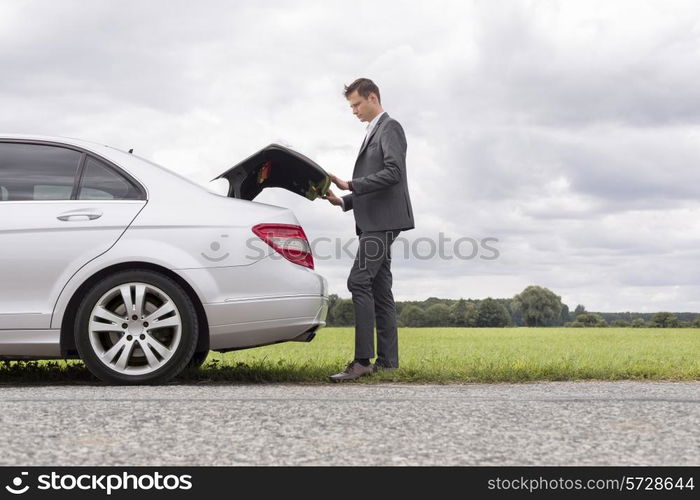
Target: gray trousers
(370,283)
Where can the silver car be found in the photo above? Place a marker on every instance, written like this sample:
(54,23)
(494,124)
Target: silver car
(139,272)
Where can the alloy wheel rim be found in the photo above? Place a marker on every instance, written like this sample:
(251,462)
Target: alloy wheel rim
(135,328)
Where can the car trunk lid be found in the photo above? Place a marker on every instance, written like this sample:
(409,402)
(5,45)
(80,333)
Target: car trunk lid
(276,166)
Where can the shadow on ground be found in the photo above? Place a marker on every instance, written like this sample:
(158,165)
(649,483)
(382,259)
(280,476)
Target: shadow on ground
(74,372)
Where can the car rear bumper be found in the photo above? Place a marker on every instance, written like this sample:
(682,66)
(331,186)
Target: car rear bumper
(271,300)
(265,320)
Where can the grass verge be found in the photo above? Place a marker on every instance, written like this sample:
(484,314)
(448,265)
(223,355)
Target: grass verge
(440,355)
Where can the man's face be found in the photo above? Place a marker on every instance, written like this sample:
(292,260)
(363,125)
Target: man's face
(363,108)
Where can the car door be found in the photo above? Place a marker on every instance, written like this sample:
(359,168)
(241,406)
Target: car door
(60,207)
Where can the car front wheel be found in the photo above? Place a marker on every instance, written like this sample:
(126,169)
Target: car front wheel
(136,327)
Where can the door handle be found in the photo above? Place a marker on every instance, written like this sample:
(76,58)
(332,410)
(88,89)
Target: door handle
(79,215)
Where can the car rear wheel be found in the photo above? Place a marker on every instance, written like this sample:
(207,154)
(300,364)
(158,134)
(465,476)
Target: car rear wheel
(136,327)
(198,359)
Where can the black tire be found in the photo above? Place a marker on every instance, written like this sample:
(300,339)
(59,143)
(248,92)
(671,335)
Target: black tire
(178,357)
(198,359)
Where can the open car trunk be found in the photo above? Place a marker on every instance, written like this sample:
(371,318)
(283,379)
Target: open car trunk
(276,166)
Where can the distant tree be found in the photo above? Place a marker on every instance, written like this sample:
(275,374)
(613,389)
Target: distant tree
(621,323)
(491,313)
(564,314)
(696,322)
(431,301)
(332,299)
(538,305)
(515,315)
(664,320)
(472,315)
(638,323)
(412,316)
(458,313)
(399,307)
(343,312)
(580,309)
(589,319)
(437,315)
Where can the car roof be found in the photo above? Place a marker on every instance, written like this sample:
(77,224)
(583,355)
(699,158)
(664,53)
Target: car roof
(59,139)
(145,171)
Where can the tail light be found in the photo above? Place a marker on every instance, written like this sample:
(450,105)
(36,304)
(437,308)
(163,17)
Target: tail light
(288,240)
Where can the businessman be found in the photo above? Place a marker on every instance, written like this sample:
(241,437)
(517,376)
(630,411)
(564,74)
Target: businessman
(382,208)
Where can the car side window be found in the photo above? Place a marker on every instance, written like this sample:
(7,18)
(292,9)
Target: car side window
(37,172)
(101,182)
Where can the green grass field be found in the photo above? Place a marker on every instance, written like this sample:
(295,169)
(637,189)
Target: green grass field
(444,355)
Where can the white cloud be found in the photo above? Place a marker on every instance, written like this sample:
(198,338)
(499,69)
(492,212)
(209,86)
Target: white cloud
(567,130)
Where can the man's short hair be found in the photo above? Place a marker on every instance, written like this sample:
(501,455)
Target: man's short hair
(364,87)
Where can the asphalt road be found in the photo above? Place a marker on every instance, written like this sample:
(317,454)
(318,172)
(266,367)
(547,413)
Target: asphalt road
(555,423)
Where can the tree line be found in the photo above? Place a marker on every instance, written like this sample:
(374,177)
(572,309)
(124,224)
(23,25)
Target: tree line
(534,306)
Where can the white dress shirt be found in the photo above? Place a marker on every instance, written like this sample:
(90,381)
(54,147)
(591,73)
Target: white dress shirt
(370,127)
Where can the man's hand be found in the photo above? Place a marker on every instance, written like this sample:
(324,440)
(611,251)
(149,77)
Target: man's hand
(339,182)
(332,198)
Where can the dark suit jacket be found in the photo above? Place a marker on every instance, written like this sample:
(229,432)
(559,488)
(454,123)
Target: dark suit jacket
(380,199)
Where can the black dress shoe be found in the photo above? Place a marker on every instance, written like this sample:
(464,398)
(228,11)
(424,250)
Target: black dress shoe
(353,371)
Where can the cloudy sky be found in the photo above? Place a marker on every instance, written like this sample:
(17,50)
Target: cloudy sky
(567,132)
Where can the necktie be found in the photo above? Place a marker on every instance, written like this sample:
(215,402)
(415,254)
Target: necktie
(366,136)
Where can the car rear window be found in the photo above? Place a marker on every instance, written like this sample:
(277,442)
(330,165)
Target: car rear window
(100,182)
